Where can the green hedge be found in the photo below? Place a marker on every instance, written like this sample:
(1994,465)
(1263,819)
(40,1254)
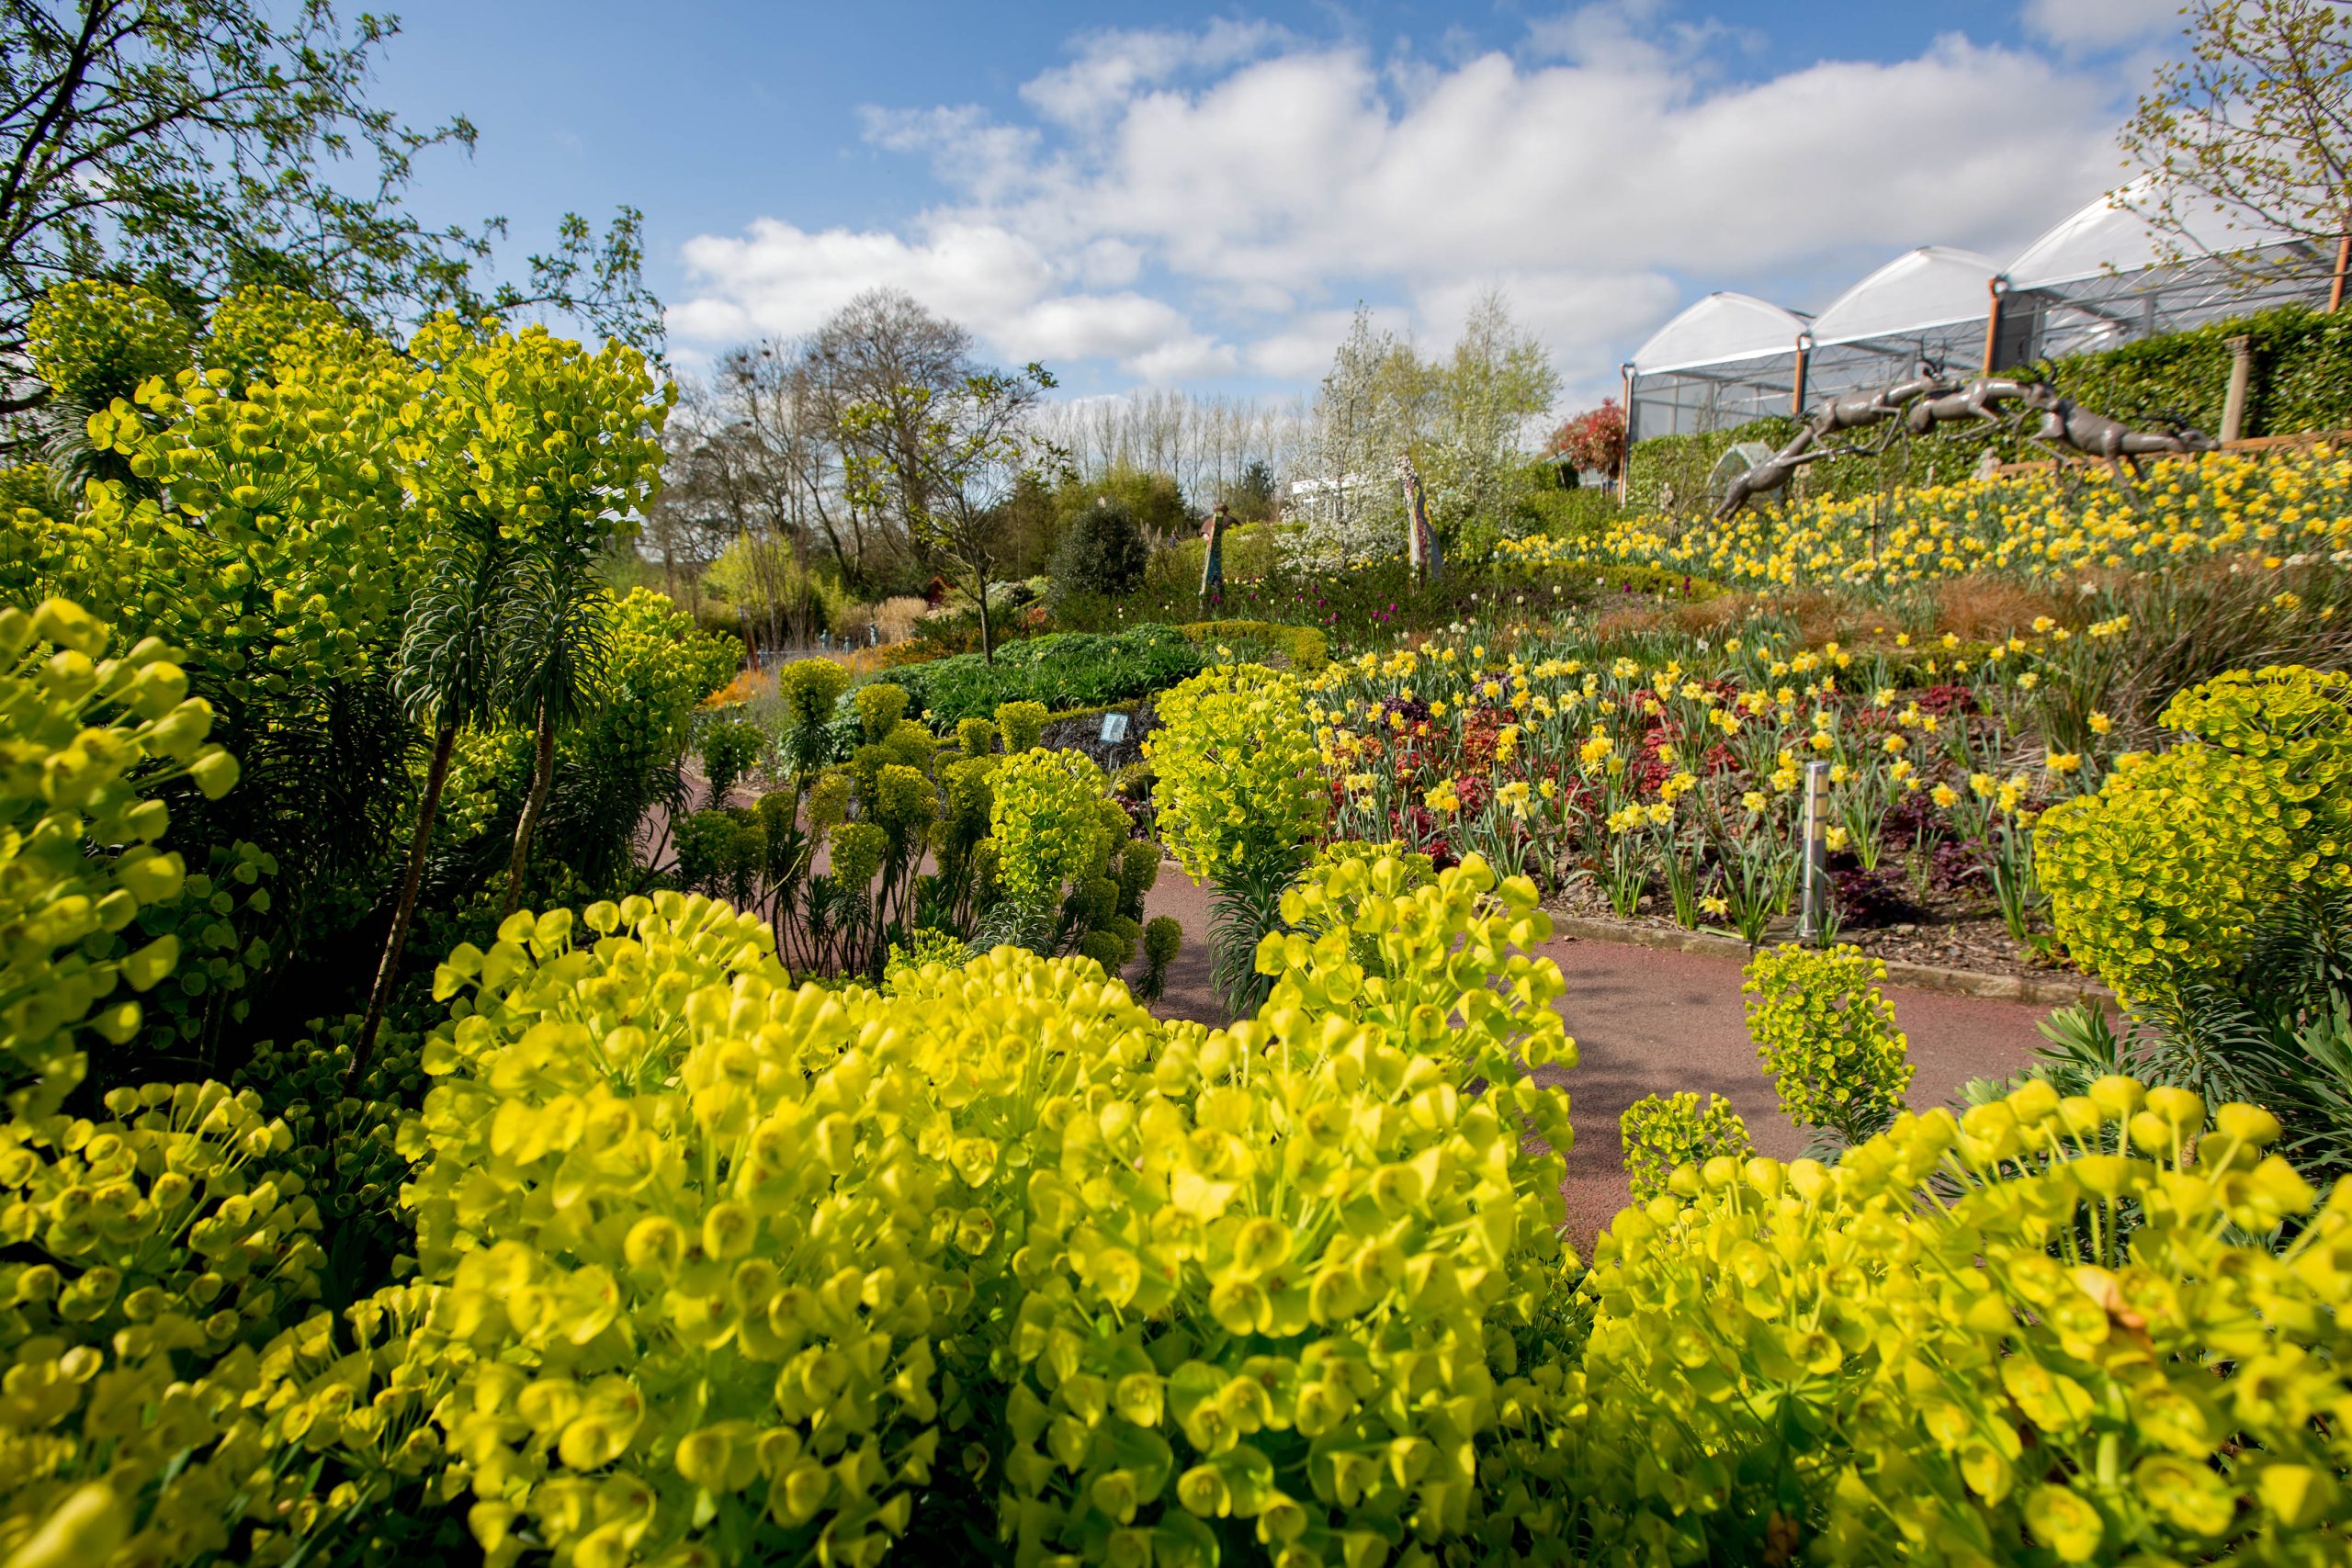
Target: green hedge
(2301,380)
(1061,669)
(1304,647)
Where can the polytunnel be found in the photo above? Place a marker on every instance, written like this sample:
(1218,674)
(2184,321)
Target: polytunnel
(2098,279)
(1727,359)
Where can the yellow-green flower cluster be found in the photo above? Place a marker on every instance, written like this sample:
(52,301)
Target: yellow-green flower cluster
(1054,822)
(82,737)
(2163,873)
(1240,781)
(1827,1037)
(1660,1133)
(1788,1363)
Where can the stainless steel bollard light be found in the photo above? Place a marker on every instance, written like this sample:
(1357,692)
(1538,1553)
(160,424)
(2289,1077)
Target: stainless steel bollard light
(1815,906)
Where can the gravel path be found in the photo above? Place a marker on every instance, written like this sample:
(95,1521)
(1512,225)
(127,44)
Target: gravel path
(1650,1021)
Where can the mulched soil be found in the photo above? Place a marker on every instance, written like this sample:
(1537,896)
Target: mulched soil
(1946,934)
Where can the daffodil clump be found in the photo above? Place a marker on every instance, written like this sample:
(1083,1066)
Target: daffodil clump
(2038,526)
(1551,751)
(2165,873)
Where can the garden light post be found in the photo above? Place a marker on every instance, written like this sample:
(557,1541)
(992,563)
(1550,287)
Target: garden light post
(1814,910)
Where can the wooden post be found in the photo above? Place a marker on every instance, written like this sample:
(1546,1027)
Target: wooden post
(2342,260)
(1994,288)
(1626,453)
(1796,388)
(2241,371)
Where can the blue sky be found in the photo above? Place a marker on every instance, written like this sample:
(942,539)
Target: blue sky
(1197,196)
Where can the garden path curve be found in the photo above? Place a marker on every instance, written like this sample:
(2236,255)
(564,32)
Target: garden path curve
(1653,1021)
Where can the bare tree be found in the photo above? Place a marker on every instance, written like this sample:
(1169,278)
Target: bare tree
(2250,138)
(965,452)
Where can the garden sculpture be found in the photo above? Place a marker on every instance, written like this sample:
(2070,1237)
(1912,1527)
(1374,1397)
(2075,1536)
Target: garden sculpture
(1420,539)
(1929,401)
(2069,429)
(1213,556)
(1774,471)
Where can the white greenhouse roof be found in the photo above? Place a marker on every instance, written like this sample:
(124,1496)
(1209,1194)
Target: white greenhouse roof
(2107,236)
(1720,327)
(1931,286)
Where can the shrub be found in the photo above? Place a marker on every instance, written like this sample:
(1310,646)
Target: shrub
(865,1313)
(1661,1132)
(1789,1361)
(1163,938)
(1021,725)
(880,704)
(1047,817)
(1827,1038)
(1240,781)
(729,750)
(93,341)
(1101,551)
(2163,875)
(1061,669)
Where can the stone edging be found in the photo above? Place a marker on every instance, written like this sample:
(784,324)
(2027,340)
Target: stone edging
(1916,977)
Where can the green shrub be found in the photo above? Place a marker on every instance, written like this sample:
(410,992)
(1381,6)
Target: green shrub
(1660,1133)
(1021,724)
(1303,649)
(1101,551)
(1061,669)
(2163,875)
(731,747)
(1827,1038)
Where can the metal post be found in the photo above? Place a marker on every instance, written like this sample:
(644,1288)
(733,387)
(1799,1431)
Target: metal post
(1813,916)
(2234,404)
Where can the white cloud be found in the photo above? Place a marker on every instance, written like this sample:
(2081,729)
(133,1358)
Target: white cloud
(1190,205)
(2100,24)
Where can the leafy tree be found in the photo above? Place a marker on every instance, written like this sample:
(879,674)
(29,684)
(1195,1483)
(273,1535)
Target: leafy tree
(2251,134)
(199,145)
(953,460)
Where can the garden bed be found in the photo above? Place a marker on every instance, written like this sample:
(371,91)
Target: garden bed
(1972,942)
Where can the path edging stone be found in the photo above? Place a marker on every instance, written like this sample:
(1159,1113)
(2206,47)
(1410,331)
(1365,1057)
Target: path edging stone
(1916,977)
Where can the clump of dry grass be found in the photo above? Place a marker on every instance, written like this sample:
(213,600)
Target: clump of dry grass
(1990,609)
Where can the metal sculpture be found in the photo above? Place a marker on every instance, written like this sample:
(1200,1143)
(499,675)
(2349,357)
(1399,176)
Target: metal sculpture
(1213,552)
(1928,402)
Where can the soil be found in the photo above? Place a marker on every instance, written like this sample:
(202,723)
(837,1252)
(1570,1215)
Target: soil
(1946,934)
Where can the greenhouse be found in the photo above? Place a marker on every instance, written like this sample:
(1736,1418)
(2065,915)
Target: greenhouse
(2093,281)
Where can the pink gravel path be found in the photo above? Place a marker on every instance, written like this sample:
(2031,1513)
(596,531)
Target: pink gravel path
(1653,1021)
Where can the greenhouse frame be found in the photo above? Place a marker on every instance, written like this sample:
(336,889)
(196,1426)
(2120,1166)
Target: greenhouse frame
(2095,280)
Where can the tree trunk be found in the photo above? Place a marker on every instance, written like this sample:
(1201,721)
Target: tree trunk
(988,647)
(396,940)
(542,766)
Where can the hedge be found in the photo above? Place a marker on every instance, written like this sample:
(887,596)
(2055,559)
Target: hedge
(1306,648)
